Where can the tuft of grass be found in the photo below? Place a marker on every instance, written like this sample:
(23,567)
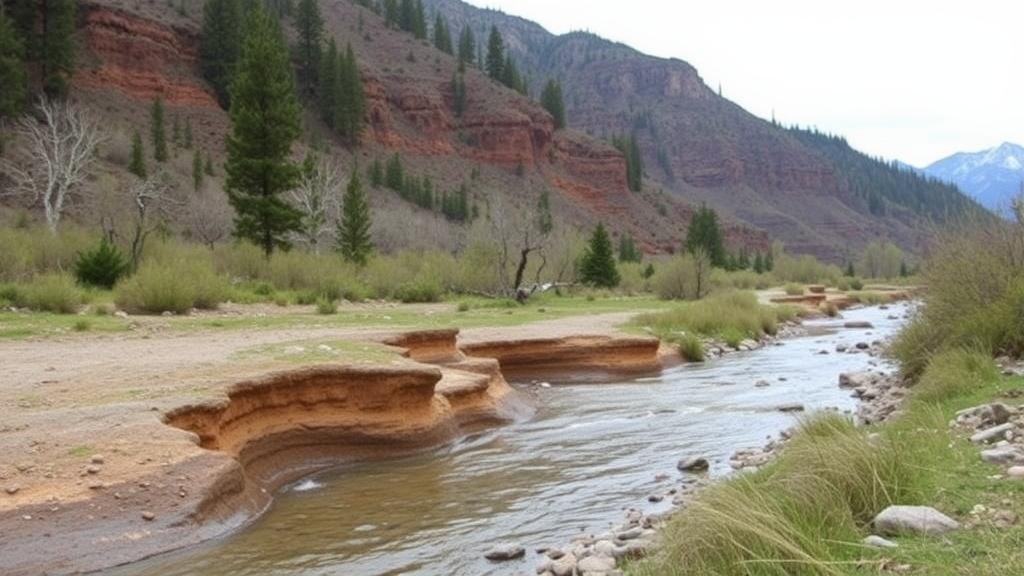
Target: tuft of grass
(326,306)
(82,325)
(175,284)
(953,373)
(52,293)
(794,289)
(691,348)
(728,316)
(463,307)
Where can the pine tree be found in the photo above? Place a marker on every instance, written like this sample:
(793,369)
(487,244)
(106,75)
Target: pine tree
(419,21)
(329,85)
(442,38)
(467,46)
(406,14)
(634,161)
(209,165)
(197,170)
(545,221)
(221,44)
(759,263)
(137,164)
(310,26)
(496,55)
(394,175)
(769,261)
(23,15)
(849,270)
(350,98)
(597,268)
(704,234)
(627,249)
(265,121)
(375,173)
(157,132)
(392,14)
(188,134)
(354,224)
(458,87)
(57,49)
(176,131)
(551,99)
(12,70)
(510,75)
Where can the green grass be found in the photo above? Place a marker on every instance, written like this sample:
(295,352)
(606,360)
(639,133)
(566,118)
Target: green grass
(20,325)
(691,348)
(726,316)
(793,289)
(806,512)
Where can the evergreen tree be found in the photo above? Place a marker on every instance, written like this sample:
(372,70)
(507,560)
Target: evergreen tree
(627,249)
(197,170)
(510,75)
(758,263)
(769,261)
(394,175)
(442,38)
(265,121)
(57,58)
(849,270)
(157,132)
(176,131)
(12,70)
(221,44)
(904,271)
(310,26)
(137,164)
(551,99)
(392,14)
(743,259)
(188,134)
(545,221)
(23,15)
(496,55)
(407,15)
(597,268)
(419,21)
(458,88)
(354,224)
(350,98)
(634,161)
(375,173)
(329,85)
(467,46)
(704,234)
(209,165)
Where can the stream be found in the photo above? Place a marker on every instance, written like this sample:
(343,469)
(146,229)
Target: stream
(586,453)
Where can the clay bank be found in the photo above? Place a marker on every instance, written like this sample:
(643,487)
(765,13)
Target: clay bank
(396,465)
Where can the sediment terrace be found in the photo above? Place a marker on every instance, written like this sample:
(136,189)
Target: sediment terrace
(204,456)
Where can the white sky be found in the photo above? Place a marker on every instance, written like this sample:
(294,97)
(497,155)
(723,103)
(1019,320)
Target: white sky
(910,79)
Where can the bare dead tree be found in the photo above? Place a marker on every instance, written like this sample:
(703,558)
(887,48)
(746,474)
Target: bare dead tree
(518,236)
(152,198)
(60,148)
(208,217)
(316,197)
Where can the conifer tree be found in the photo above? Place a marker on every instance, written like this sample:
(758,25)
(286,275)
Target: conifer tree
(197,170)
(849,270)
(188,134)
(627,249)
(442,38)
(419,21)
(310,26)
(759,263)
(265,121)
(354,240)
(496,55)
(704,234)
(634,161)
(137,164)
(375,173)
(23,16)
(57,57)
(329,85)
(551,100)
(467,46)
(12,70)
(209,165)
(545,221)
(394,175)
(157,133)
(510,75)
(350,98)
(597,268)
(458,87)
(392,13)
(221,44)
(406,14)
(176,130)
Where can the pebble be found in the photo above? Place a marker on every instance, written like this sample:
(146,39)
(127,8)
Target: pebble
(12,489)
(92,469)
(504,552)
(790,408)
(96,459)
(693,464)
(599,564)
(148,516)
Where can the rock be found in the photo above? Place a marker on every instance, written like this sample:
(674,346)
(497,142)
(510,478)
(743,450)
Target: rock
(599,564)
(121,314)
(96,459)
(858,325)
(148,516)
(862,346)
(994,433)
(914,520)
(790,407)
(879,542)
(1004,519)
(503,552)
(1003,455)
(988,414)
(693,464)
(13,489)
(605,548)
(841,347)
(631,534)
(92,469)
(554,553)
(1015,472)
(655,498)
(564,566)
(762,384)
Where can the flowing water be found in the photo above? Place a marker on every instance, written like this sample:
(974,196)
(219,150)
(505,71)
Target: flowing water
(586,453)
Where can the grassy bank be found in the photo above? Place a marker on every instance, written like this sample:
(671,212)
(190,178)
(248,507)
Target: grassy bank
(806,512)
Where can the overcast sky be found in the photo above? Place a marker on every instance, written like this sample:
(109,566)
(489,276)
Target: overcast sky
(910,79)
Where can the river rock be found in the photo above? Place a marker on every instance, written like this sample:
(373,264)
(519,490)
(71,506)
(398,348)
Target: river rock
(861,324)
(598,564)
(694,464)
(863,346)
(878,542)
(915,520)
(631,534)
(793,407)
(992,434)
(1007,454)
(564,566)
(1015,472)
(986,415)
(504,552)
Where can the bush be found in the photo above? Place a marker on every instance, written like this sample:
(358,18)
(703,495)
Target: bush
(82,325)
(101,267)
(10,295)
(685,277)
(691,348)
(830,310)
(955,373)
(34,250)
(856,284)
(173,284)
(52,293)
(794,289)
(418,291)
(326,306)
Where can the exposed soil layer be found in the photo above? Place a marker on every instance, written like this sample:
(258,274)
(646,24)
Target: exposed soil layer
(95,477)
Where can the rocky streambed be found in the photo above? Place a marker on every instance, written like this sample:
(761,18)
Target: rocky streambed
(575,485)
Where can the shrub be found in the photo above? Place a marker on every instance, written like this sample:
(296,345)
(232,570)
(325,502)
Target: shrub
(10,295)
(102,266)
(34,250)
(81,325)
(418,291)
(174,285)
(326,306)
(830,310)
(463,307)
(729,316)
(686,277)
(691,348)
(794,289)
(954,373)
(52,293)
(856,284)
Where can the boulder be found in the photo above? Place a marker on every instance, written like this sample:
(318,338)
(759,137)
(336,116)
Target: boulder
(504,552)
(693,464)
(992,434)
(598,564)
(987,414)
(913,520)
(1007,454)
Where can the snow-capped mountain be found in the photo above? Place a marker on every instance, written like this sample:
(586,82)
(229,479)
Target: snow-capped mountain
(992,177)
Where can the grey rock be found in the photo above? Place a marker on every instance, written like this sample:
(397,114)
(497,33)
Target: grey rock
(631,534)
(599,564)
(504,552)
(693,464)
(862,346)
(994,433)
(148,516)
(990,414)
(914,520)
(879,542)
(1015,472)
(858,325)
(1003,455)
(564,566)
(794,407)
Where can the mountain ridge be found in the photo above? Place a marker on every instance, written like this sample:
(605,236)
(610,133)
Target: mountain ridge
(992,176)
